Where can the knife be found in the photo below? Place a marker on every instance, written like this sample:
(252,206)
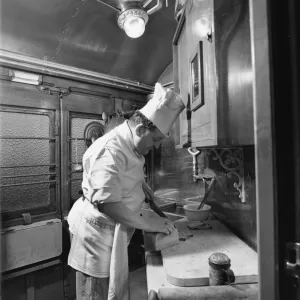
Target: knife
(155,208)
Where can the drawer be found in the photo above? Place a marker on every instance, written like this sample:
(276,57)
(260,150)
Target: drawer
(25,245)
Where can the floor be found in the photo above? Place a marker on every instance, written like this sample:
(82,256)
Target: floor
(138,284)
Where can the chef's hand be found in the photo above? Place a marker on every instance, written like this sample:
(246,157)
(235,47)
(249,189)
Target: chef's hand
(165,226)
(147,191)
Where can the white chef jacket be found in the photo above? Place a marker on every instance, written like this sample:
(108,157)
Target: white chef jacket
(112,172)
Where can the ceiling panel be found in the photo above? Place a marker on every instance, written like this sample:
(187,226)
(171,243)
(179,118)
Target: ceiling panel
(85,34)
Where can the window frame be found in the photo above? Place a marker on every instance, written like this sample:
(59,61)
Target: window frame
(39,213)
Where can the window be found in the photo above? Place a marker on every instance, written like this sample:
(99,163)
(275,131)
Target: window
(77,146)
(29,177)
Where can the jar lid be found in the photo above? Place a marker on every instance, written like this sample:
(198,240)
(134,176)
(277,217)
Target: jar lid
(219,258)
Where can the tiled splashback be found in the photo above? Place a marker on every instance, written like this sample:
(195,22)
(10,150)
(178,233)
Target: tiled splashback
(173,179)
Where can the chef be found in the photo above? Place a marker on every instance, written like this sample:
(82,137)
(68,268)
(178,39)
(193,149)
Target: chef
(113,193)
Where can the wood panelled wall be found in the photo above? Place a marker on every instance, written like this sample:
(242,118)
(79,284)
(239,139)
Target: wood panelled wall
(172,179)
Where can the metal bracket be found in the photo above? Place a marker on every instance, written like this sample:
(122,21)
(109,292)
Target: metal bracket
(27,218)
(209,35)
(292,261)
(232,161)
(53,90)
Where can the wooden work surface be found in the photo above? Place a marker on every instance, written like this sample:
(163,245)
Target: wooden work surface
(157,282)
(186,264)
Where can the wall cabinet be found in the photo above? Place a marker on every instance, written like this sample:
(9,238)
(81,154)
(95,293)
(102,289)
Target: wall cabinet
(213,73)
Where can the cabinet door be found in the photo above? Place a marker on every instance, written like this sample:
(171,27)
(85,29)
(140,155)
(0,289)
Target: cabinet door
(217,89)
(198,121)
(203,108)
(233,72)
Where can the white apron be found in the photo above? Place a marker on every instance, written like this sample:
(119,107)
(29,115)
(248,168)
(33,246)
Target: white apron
(112,172)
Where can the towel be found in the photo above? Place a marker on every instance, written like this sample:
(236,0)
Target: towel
(118,273)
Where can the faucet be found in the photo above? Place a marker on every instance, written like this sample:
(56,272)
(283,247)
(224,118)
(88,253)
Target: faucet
(195,167)
(207,176)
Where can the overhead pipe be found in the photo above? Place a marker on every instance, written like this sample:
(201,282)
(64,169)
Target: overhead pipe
(111,6)
(155,8)
(147,3)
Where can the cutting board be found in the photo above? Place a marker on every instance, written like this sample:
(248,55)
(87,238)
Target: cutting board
(186,264)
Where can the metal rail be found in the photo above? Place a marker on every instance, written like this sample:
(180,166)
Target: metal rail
(75,179)
(17,176)
(27,166)
(73,139)
(13,274)
(75,172)
(27,183)
(10,137)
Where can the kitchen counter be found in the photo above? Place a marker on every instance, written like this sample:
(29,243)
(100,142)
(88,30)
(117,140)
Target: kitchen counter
(158,274)
(157,282)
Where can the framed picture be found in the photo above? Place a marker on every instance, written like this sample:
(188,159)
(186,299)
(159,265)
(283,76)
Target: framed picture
(196,78)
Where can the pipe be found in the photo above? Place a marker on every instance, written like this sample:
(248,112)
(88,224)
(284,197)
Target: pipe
(167,84)
(19,61)
(62,157)
(147,3)
(155,8)
(88,92)
(115,8)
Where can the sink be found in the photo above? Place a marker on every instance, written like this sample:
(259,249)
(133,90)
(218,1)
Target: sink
(169,207)
(148,213)
(178,210)
(162,203)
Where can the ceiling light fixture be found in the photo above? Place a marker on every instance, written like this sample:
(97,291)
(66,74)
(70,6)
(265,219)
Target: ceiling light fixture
(133,22)
(24,77)
(133,18)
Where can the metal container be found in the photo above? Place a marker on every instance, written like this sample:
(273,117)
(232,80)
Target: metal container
(219,269)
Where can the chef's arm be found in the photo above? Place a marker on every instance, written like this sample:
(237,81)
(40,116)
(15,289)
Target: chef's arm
(121,214)
(104,179)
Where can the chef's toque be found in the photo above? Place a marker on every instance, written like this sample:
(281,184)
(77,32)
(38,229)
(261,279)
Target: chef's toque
(163,109)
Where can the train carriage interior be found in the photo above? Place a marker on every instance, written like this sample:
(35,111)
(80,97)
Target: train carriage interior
(73,70)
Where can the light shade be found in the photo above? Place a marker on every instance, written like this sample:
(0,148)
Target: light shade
(133,22)
(134,26)
(24,77)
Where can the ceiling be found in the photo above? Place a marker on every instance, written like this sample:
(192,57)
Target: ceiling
(84,34)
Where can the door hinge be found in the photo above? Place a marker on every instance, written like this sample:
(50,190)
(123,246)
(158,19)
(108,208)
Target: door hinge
(292,260)
(56,130)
